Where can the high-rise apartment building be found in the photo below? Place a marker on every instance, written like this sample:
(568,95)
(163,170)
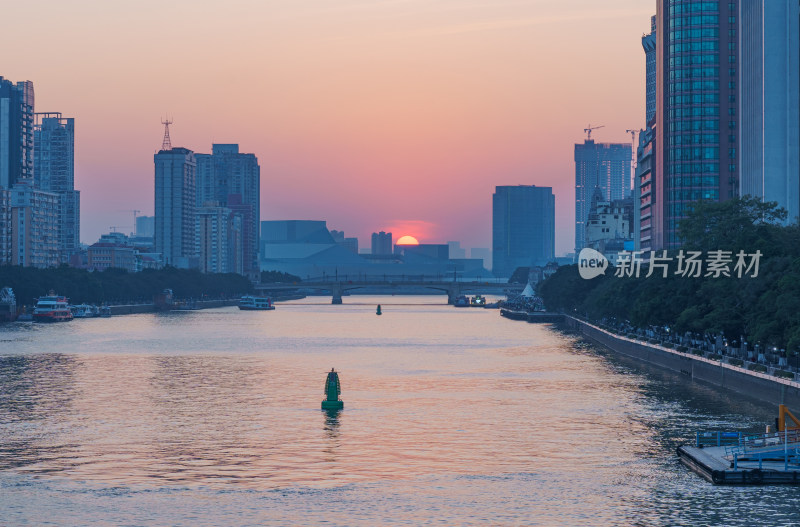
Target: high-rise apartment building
(34,226)
(29,216)
(523,227)
(604,166)
(220,240)
(232,179)
(54,171)
(145,226)
(16,132)
(644,196)
(175,204)
(769,102)
(645,211)
(5,227)
(697,130)
(382,243)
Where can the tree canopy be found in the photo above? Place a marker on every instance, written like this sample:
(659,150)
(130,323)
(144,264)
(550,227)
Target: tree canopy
(764,308)
(118,285)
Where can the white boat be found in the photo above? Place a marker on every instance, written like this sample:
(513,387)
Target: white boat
(52,308)
(84,311)
(255,303)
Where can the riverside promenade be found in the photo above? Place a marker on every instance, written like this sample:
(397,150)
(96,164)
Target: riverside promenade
(762,386)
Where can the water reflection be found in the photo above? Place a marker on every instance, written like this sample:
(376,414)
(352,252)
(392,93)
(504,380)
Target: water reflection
(332,422)
(35,390)
(460,412)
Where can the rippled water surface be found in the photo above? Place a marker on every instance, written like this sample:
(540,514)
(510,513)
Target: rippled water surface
(452,417)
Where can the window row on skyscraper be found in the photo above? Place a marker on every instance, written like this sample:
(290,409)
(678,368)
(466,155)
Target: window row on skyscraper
(679,8)
(694,20)
(694,33)
(694,73)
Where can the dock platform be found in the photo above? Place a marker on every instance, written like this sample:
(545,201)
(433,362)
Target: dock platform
(733,459)
(711,464)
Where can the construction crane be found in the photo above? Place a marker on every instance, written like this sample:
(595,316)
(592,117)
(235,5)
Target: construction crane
(135,213)
(589,131)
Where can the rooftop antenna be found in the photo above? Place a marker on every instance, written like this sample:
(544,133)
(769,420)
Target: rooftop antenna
(589,131)
(166,144)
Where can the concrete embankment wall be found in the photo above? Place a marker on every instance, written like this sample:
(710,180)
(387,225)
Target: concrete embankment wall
(766,388)
(131,309)
(150,308)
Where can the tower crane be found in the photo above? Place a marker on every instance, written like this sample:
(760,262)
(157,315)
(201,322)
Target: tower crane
(589,131)
(135,213)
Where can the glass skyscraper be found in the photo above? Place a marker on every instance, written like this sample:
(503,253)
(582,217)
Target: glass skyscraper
(696,109)
(523,227)
(649,46)
(16,132)
(769,77)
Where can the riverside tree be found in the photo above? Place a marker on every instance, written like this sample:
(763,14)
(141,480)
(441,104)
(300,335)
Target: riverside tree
(764,309)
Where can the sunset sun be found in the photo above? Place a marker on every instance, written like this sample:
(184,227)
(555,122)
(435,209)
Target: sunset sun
(407,240)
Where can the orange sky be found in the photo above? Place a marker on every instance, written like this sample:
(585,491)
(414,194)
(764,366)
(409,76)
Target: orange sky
(372,115)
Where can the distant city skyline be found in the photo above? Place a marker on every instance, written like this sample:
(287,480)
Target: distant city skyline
(393,116)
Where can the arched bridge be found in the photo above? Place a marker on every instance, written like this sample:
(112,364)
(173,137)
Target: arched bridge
(452,288)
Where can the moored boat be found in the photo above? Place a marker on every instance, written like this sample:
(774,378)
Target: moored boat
(165,301)
(256,303)
(477,301)
(52,308)
(461,301)
(8,305)
(84,311)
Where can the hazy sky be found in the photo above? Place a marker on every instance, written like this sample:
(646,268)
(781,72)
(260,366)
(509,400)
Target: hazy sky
(397,115)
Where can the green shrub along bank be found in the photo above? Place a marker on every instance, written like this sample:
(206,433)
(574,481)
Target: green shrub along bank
(117,286)
(765,309)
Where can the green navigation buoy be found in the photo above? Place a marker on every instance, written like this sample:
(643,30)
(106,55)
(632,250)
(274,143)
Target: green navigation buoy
(332,391)
(378,312)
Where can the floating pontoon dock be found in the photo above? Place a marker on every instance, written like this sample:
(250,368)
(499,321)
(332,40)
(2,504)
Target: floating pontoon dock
(731,458)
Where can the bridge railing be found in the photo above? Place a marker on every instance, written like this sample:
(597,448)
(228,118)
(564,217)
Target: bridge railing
(393,278)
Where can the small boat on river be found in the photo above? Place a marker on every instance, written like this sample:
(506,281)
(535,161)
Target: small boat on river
(52,308)
(256,303)
(84,311)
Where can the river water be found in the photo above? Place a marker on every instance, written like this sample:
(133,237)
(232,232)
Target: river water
(451,417)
